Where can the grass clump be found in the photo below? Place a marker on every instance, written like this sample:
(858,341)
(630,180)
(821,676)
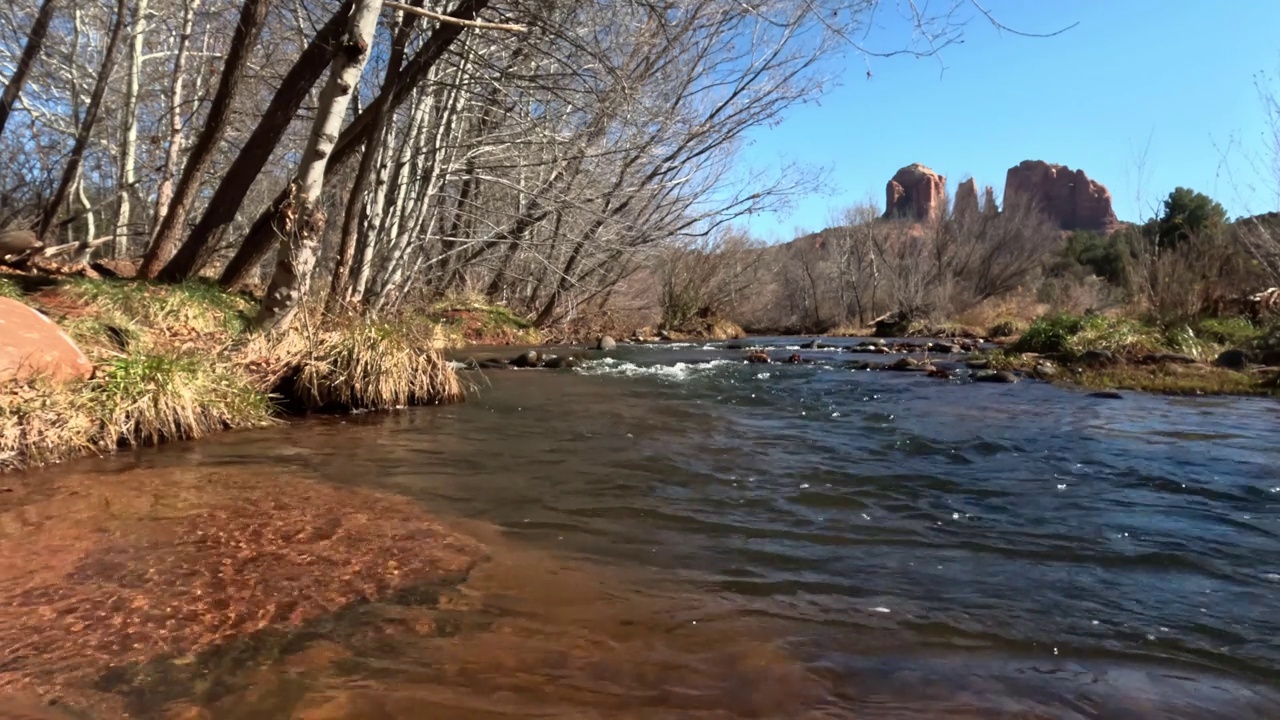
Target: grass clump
(362,364)
(467,319)
(1229,331)
(135,400)
(1071,335)
(10,289)
(180,362)
(147,399)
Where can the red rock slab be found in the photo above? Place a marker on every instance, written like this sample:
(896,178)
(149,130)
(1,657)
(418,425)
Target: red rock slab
(32,345)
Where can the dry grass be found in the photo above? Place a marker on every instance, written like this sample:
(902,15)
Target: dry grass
(360,364)
(135,400)
(1018,309)
(177,363)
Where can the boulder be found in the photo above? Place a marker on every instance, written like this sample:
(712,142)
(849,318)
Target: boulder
(995,376)
(966,203)
(526,359)
(557,362)
(1234,359)
(1098,358)
(894,324)
(1168,358)
(1068,197)
(1044,371)
(915,193)
(905,363)
(31,345)
(607,344)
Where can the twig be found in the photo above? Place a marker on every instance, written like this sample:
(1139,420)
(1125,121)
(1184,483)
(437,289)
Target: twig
(440,17)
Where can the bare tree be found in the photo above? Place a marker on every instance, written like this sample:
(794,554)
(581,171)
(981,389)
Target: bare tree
(301,220)
(172,226)
(71,172)
(35,43)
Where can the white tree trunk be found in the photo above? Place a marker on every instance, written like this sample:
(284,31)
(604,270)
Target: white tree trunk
(173,157)
(129,145)
(302,220)
(369,235)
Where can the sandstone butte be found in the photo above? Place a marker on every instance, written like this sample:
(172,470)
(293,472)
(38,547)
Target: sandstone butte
(915,193)
(1069,197)
(32,345)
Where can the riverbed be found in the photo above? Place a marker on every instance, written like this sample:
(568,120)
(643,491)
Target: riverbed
(668,531)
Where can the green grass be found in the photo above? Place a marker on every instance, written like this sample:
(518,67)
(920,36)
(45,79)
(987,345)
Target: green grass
(200,306)
(1230,331)
(1176,380)
(10,289)
(146,399)
(1071,335)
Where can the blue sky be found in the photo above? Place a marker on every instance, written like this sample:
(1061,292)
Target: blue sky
(1172,77)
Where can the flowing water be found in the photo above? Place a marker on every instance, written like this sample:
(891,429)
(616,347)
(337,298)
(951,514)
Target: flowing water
(671,532)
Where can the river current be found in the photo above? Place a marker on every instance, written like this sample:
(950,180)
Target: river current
(672,532)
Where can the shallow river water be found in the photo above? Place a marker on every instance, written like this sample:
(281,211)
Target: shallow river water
(671,532)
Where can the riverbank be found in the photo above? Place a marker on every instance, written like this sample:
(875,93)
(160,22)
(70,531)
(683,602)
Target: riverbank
(152,363)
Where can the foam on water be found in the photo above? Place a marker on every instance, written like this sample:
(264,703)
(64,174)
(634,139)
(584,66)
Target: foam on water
(676,372)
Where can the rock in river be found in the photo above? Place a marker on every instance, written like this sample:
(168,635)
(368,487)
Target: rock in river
(526,359)
(607,344)
(995,376)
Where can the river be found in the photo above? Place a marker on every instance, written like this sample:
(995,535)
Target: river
(673,533)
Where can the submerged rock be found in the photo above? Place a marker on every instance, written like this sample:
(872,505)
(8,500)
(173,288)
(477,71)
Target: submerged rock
(758,357)
(1106,395)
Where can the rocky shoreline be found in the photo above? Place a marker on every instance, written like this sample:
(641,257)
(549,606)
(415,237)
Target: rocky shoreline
(964,360)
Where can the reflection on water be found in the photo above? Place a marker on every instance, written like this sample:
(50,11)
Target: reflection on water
(664,535)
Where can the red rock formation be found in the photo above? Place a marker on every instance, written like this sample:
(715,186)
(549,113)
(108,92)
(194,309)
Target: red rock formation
(966,198)
(989,200)
(915,192)
(31,345)
(1067,196)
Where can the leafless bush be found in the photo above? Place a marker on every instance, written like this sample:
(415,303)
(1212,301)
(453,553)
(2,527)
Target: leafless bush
(1201,275)
(705,278)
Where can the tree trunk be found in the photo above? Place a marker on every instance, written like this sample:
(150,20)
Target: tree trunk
(252,15)
(257,150)
(173,154)
(74,161)
(339,286)
(301,221)
(129,143)
(35,43)
(261,236)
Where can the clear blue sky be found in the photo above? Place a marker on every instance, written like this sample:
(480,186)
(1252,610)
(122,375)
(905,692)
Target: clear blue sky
(1174,76)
